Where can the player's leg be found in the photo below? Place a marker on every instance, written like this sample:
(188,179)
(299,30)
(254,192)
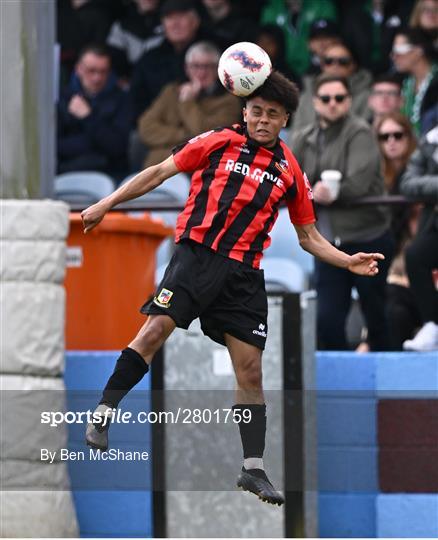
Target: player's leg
(131,366)
(247,363)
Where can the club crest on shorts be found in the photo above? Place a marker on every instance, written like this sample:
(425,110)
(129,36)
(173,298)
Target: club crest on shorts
(163,298)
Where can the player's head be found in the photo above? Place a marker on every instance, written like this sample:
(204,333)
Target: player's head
(268,108)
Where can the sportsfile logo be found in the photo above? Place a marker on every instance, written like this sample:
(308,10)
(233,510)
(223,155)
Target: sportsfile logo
(255,174)
(261,330)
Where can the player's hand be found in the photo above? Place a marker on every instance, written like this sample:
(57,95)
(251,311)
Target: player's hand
(321,194)
(79,107)
(365,264)
(93,215)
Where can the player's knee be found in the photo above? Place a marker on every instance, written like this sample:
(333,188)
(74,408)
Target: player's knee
(152,336)
(249,373)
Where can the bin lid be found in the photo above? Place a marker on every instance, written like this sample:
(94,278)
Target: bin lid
(119,222)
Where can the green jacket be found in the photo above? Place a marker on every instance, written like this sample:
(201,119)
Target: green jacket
(297,52)
(348,146)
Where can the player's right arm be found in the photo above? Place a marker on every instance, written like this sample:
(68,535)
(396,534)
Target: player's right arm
(142,183)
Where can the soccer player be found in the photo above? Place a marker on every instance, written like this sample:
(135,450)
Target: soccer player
(240,176)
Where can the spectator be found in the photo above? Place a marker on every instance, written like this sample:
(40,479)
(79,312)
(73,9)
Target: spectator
(429,119)
(369,26)
(397,142)
(425,17)
(225,25)
(385,97)
(336,141)
(322,35)
(138,31)
(295,17)
(93,118)
(337,61)
(414,55)
(181,111)
(271,39)
(165,64)
(421,180)
(78,23)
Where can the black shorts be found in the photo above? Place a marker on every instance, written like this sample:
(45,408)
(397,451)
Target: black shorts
(226,295)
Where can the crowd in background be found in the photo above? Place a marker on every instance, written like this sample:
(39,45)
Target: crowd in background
(140,76)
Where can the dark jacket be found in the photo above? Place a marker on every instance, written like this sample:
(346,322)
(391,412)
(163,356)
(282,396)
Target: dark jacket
(420,180)
(156,68)
(130,37)
(231,29)
(100,140)
(371,40)
(348,146)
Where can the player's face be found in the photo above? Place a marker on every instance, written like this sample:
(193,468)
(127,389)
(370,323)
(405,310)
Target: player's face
(264,120)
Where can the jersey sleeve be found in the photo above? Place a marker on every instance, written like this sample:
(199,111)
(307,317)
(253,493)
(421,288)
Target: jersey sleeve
(193,154)
(300,199)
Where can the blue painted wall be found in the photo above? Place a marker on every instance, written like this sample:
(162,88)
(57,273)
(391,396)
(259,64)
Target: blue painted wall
(115,502)
(349,387)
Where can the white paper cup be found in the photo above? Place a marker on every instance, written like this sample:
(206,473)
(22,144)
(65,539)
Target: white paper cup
(332,179)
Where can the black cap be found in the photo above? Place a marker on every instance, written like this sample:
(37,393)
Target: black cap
(172,6)
(323,28)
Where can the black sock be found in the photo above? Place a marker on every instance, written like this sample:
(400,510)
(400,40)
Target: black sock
(252,433)
(130,369)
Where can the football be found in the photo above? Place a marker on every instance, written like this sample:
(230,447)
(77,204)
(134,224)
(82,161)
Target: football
(243,67)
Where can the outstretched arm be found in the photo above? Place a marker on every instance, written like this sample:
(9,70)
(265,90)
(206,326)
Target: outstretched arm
(312,241)
(142,183)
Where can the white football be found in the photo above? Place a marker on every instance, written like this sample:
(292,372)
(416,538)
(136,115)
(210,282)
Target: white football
(243,67)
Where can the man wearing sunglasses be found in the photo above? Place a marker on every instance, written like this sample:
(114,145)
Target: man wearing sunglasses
(340,141)
(338,60)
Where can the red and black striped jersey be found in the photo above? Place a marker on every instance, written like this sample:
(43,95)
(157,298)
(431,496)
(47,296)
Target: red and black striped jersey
(236,189)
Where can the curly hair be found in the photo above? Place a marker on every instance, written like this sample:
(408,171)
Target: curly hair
(280,89)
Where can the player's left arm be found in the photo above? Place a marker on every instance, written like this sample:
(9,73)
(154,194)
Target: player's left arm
(365,264)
